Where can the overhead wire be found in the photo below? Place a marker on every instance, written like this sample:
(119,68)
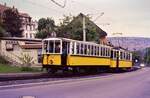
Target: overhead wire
(42,6)
(62,6)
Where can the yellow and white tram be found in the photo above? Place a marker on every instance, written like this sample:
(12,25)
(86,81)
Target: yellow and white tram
(61,53)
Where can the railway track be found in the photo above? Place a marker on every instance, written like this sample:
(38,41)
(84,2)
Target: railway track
(43,77)
(22,78)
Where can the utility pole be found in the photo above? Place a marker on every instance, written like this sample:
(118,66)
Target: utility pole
(84,26)
(84,32)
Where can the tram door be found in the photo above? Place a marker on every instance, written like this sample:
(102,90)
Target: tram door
(117,59)
(65,52)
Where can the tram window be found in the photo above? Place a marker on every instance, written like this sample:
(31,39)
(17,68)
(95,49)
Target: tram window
(111,54)
(97,50)
(92,48)
(115,54)
(72,48)
(46,46)
(77,48)
(57,47)
(124,56)
(52,46)
(128,56)
(88,50)
(121,55)
(104,51)
(85,49)
(101,51)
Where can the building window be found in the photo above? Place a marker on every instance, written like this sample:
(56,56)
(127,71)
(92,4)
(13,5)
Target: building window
(26,35)
(30,35)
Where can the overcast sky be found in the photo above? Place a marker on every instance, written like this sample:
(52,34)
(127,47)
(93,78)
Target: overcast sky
(130,17)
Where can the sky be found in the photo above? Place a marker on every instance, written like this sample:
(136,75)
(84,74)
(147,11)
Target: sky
(131,18)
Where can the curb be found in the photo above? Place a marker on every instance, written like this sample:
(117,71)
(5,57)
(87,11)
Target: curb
(51,82)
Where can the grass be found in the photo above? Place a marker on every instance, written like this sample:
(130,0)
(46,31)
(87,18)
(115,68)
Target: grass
(5,68)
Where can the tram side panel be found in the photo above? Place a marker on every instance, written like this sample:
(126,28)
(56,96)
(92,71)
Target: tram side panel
(125,64)
(51,59)
(78,60)
(113,63)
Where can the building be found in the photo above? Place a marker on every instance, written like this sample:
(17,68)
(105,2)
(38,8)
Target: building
(29,26)
(13,49)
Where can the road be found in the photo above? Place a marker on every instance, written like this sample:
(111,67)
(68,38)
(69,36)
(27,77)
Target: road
(123,85)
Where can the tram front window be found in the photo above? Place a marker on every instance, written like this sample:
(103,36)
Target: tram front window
(52,46)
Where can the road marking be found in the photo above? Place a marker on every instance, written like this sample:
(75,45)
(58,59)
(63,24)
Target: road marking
(59,81)
(28,97)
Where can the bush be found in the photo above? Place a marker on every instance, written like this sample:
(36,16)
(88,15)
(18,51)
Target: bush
(3,60)
(29,69)
(26,69)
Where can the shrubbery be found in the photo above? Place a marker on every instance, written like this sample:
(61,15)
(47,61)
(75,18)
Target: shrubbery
(3,60)
(29,69)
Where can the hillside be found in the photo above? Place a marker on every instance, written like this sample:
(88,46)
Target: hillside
(130,43)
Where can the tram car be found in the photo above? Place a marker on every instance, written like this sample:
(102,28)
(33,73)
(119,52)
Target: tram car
(64,54)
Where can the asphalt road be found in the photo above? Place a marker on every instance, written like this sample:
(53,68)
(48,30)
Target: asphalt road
(124,85)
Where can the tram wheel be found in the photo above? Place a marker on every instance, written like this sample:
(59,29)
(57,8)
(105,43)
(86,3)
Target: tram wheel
(51,70)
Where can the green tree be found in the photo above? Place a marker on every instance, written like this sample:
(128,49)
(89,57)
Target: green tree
(72,27)
(41,34)
(147,56)
(2,31)
(12,22)
(137,55)
(46,26)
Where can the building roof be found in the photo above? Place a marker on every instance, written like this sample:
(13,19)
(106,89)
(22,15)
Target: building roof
(101,32)
(21,39)
(3,8)
(31,46)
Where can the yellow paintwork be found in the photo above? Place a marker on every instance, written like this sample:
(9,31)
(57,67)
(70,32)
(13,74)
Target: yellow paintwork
(51,59)
(87,60)
(113,63)
(122,63)
(76,60)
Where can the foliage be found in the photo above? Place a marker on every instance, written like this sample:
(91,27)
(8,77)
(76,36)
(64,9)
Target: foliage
(41,34)
(2,32)
(12,22)
(46,26)
(72,27)
(5,68)
(147,56)
(28,69)
(26,59)
(137,55)
(3,60)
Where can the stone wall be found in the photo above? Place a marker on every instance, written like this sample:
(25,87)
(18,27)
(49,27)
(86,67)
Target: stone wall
(12,51)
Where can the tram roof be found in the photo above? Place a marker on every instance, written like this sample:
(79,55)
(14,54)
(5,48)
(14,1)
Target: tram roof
(71,40)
